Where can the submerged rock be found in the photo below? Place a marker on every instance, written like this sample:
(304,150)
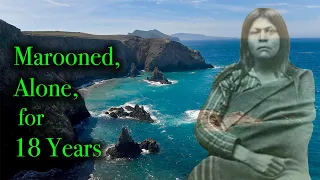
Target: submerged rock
(150,145)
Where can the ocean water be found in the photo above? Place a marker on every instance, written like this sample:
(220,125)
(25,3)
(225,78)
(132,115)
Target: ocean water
(176,107)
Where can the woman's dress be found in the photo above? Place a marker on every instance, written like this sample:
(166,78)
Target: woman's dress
(274,118)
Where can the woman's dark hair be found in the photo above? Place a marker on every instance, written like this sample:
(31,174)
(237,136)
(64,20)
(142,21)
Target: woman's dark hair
(282,65)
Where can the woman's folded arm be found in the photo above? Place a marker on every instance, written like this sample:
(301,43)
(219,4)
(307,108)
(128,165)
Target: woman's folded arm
(222,143)
(212,136)
(209,131)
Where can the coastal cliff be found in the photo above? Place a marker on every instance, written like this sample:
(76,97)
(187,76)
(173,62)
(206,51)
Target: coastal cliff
(146,54)
(162,53)
(62,114)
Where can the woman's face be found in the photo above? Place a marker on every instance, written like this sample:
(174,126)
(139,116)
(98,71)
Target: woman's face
(263,39)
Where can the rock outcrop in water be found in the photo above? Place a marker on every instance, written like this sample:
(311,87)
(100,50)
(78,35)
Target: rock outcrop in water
(126,147)
(62,114)
(158,76)
(133,71)
(135,112)
(150,145)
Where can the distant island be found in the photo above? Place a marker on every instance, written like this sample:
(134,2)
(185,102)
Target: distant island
(189,37)
(153,34)
(177,36)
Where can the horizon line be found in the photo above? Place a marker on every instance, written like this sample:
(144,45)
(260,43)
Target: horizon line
(293,37)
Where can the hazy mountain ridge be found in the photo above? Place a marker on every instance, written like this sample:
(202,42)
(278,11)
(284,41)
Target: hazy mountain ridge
(152,34)
(189,36)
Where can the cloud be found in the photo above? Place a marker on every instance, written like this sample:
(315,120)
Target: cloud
(290,5)
(272,4)
(238,9)
(156,1)
(56,3)
(312,6)
(297,28)
(198,25)
(199,1)
(226,7)
(282,11)
(103,17)
(233,8)
(4,9)
(161,10)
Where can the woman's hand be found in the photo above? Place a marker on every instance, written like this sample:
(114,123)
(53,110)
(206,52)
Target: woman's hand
(266,164)
(262,163)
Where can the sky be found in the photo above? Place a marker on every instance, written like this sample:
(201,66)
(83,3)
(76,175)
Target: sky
(209,17)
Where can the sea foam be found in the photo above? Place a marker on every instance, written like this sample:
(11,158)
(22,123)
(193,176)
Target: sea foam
(159,84)
(218,67)
(306,52)
(94,82)
(189,116)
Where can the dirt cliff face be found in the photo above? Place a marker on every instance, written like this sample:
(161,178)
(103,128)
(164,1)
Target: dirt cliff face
(61,114)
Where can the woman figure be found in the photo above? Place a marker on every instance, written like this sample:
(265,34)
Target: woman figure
(257,121)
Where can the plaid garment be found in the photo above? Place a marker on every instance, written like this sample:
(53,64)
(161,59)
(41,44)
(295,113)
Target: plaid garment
(286,108)
(210,131)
